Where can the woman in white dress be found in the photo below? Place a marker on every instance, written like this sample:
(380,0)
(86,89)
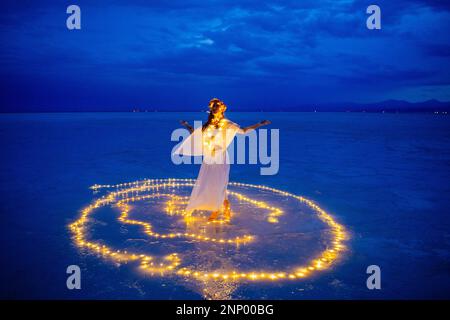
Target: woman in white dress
(210,189)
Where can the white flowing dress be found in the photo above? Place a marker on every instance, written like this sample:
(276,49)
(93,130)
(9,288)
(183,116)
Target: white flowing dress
(210,189)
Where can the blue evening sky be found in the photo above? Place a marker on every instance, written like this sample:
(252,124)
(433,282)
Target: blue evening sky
(253,54)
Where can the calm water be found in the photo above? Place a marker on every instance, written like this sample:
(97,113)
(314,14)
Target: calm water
(385,176)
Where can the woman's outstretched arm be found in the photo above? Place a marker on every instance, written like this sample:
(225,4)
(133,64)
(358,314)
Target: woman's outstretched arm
(185,124)
(255,126)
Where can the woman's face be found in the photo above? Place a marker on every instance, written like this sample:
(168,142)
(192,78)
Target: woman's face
(216,109)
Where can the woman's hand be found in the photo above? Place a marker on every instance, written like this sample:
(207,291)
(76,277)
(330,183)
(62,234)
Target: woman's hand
(255,126)
(187,125)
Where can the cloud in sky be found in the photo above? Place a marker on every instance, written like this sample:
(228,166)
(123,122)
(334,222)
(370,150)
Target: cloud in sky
(252,54)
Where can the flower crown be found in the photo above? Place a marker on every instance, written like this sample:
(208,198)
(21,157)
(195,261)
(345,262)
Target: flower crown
(222,106)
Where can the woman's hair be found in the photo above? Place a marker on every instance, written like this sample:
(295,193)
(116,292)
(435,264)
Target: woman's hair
(213,102)
(211,117)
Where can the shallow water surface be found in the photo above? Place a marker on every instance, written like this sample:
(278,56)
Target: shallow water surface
(383,176)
